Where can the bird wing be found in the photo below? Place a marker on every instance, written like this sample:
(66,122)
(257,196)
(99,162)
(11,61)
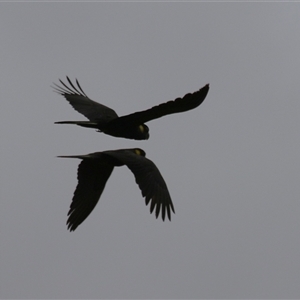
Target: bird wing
(92,176)
(149,180)
(188,102)
(92,110)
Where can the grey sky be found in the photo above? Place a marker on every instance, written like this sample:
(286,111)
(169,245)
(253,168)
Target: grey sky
(231,165)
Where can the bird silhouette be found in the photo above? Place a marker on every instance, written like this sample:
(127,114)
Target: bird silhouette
(129,126)
(94,171)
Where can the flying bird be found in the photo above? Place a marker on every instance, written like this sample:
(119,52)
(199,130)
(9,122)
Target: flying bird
(130,126)
(94,171)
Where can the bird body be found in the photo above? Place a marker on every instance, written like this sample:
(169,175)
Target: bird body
(130,126)
(94,171)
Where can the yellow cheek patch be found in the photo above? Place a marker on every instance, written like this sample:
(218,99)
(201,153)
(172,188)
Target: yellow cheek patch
(141,128)
(137,152)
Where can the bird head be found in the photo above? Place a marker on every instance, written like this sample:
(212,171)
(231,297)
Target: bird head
(139,151)
(142,132)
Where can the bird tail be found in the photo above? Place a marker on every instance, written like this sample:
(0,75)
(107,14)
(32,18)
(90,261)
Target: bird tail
(88,124)
(74,156)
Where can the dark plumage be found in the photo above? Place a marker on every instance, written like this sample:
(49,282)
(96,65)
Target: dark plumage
(94,171)
(130,126)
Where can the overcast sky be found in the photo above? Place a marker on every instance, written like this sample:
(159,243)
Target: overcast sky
(231,165)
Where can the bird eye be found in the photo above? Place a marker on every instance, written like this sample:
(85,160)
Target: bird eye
(137,152)
(141,128)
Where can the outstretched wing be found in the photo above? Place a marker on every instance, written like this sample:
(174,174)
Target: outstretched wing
(92,110)
(92,176)
(149,180)
(188,102)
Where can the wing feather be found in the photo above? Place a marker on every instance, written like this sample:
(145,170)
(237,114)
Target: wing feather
(188,102)
(92,176)
(92,110)
(149,180)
